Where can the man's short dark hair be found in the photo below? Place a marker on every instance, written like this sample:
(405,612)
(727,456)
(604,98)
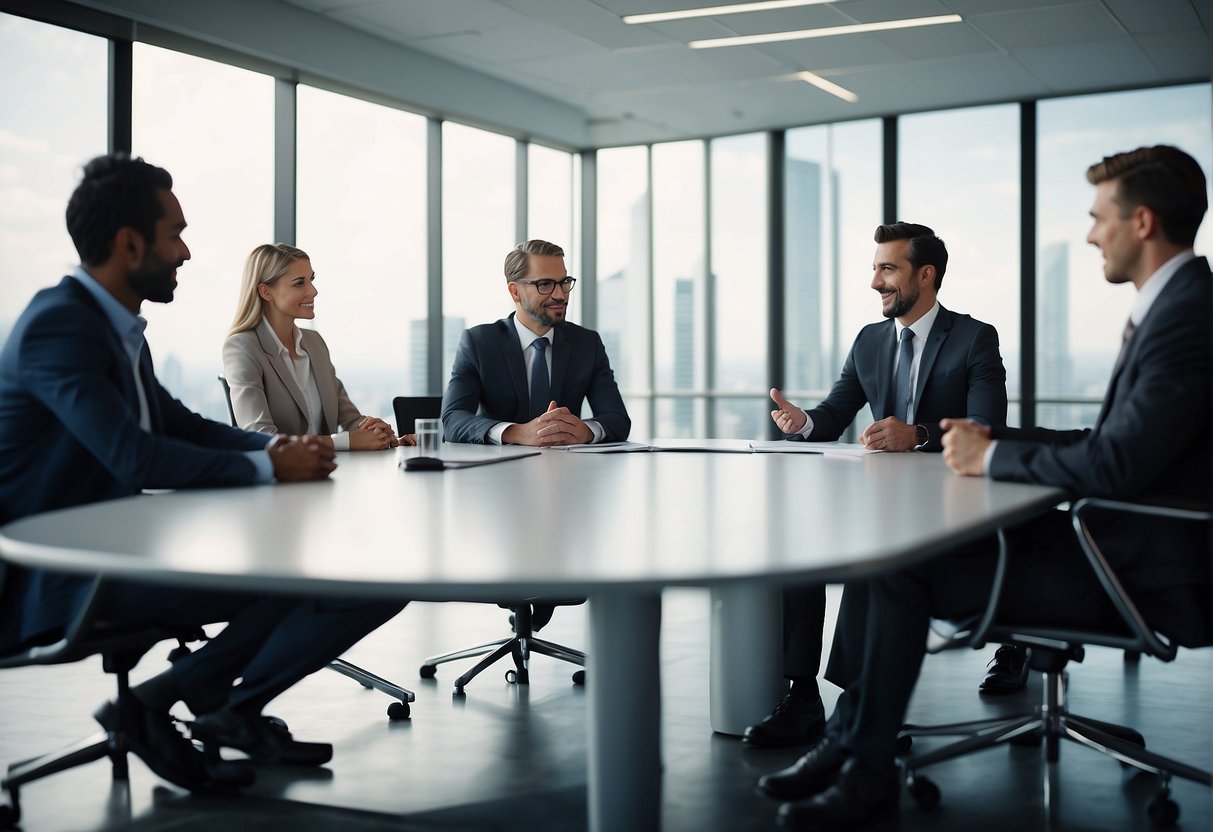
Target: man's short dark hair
(517,261)
(116,192)
(1164,179)
(925,248)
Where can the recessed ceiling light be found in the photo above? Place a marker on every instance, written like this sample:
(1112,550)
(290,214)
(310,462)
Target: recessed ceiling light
(829,31)
(713,11)
(829,86)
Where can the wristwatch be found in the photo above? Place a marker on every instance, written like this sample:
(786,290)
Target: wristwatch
(921,436)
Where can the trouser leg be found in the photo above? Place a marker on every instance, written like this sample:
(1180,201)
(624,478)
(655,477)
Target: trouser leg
(804,615)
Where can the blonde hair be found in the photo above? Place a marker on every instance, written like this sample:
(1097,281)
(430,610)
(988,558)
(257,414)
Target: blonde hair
(265,264)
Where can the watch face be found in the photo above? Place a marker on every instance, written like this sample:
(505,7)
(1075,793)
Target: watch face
(922,434)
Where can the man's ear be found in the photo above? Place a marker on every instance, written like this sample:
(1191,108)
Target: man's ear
(1145,222)
(129,247)
(926,275)
(512,286)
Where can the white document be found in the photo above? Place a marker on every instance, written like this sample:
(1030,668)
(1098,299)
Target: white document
(782,446)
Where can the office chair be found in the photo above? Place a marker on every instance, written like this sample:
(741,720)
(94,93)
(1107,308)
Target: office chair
(400,708)
(523,613)
(120,649)
(1050,650)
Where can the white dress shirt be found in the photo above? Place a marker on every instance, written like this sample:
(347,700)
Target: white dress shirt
(301,370)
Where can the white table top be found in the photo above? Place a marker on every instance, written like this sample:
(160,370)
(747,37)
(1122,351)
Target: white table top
(555,524)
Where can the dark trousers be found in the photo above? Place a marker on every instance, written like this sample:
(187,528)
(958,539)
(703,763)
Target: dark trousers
(880,639)
(804,616)
(269,643)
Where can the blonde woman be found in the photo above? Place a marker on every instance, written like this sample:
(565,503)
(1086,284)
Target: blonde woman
(281,377)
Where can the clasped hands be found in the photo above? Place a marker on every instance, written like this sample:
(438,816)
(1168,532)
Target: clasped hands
(556,426)
(374,434)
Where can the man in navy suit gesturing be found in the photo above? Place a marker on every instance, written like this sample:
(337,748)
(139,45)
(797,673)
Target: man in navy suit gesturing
(83,419)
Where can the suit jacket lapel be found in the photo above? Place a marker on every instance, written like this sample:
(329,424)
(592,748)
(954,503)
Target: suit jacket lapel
(884,371)
(939,334)
(322,368)
(560,363)
(270,348)
(511,350)
(150,386)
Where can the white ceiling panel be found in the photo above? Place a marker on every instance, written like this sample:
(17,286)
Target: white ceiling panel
(938,42)
(1156,16)
(873,11)
(834,53)
(413,19)
(1176,54)
(1048,27)
(1090,64)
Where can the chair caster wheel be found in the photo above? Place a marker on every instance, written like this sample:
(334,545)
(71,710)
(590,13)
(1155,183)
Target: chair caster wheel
(458,691)
(428,671)
(398,710)
(925,793)
(904,743)
(10,816)
(579,677)
(511,676)
(1162,811)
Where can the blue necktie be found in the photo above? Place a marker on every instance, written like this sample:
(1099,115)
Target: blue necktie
(901,379)
(541,385)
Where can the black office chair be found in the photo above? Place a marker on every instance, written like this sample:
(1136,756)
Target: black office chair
(523,612)
(120,649)
(409,409)
(400,708)
(1050,649)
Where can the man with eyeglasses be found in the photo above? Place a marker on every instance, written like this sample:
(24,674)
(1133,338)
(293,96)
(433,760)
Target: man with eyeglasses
(523,379)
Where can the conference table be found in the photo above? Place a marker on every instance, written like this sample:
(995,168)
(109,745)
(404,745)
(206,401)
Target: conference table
(617,528)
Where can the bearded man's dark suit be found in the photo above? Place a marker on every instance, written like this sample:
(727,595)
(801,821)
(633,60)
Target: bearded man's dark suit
(70,434)
(960,371)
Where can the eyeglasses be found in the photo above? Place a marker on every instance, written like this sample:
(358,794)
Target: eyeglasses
(545,287)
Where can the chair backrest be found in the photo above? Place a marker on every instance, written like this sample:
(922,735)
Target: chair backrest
(409,409)
(227,395)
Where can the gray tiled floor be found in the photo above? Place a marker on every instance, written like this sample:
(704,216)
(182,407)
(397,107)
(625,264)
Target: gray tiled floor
(506,757)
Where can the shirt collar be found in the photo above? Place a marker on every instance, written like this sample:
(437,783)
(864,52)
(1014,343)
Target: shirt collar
(1155,283)
(126,324)
(526,337)
(922,327)
(282,350)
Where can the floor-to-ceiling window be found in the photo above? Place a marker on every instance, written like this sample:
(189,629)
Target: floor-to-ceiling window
(958,172)
(739,267)
(832,205)
(679,289)
(623,274)
(212,126)
(1079,317)
(52,121)
(478,226)
(551,187)
(361,217)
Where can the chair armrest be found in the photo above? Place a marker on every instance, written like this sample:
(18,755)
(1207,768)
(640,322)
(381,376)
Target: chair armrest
(1150,641)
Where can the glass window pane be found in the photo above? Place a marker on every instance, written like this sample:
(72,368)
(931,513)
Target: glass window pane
(52,120)
(743,417)
(550,207)
(623,267)
(212,127)
(361,216)
(959,174)
(739,266)
(477,230)
(679,284)
(1079,331)
(833,193)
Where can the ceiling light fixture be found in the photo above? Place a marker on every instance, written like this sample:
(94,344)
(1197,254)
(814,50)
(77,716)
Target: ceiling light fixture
(713,11)
(830,31)
(829,86)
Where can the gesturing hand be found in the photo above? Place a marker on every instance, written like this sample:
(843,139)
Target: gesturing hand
(788,418)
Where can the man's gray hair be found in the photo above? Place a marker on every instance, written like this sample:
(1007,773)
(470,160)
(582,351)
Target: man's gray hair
(516,261)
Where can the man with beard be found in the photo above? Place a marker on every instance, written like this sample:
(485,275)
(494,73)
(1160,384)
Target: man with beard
(523,379)
(83,419)
(914,369)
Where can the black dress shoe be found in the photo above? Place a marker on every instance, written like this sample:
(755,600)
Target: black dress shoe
(255,737)
(795,721)
(857,797)
(155,740)
(809,775)
(1008,671)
